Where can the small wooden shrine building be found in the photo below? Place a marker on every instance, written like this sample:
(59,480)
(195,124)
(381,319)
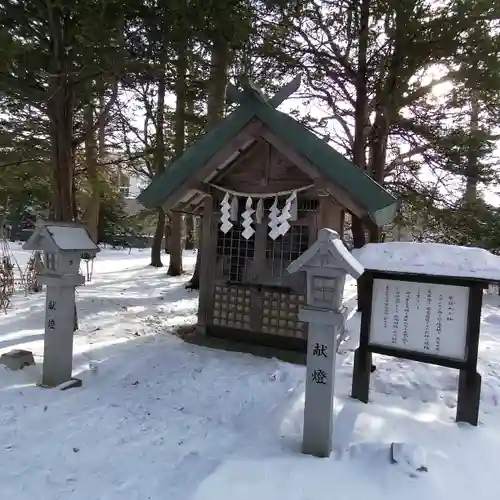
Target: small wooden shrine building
(264,185)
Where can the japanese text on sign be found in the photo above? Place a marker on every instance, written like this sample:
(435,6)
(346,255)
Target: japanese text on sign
(422,317)
(319,376)
(320,350)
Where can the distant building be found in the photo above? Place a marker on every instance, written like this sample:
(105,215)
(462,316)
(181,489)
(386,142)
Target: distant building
(130,185)
(136,185)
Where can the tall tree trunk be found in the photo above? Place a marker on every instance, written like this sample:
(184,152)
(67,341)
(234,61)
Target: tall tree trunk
(60,111)
(189,220)
(219,64)
(159,158)
(158,240)
(378,155)
(95,175)
(101,131)
(190,232)
(361,121)
(361,111)
(74,199)
(389,93)
(94,198)
(472,154)
(175,243)
(167,234)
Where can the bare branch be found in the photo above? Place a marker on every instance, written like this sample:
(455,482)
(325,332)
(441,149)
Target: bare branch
(103,116)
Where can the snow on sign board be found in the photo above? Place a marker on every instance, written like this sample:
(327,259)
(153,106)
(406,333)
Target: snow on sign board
(434,259)
(422,317)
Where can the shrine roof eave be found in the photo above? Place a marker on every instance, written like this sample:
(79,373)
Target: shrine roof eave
(378,205)
(174,178)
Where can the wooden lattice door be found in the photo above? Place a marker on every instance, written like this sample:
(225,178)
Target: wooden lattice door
(233,275)
(252,291)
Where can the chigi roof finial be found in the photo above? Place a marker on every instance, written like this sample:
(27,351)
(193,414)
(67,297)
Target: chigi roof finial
(248,86)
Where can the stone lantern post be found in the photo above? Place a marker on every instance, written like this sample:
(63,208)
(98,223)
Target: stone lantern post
(62,245)
(326,264)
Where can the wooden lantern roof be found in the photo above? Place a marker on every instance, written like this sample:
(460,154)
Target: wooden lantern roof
(328,251)
(60,237)
(255,118)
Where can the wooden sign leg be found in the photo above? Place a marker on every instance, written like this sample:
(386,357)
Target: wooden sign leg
(361,375)
(469,394)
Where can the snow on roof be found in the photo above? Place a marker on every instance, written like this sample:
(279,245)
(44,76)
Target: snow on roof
(70,238)
(434,259)
(354,266)
(329,242)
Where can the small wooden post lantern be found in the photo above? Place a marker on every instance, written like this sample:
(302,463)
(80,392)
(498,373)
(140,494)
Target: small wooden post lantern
(326,264)
(62,245)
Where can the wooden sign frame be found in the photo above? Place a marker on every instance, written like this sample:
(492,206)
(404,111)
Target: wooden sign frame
(469,384)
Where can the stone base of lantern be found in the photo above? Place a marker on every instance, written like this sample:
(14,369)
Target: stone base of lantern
(326,327)
(59,328)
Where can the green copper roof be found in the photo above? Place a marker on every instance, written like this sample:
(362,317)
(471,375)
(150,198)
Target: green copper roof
(378,203)
(194,158)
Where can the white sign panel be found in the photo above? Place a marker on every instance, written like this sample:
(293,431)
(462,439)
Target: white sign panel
(421,317)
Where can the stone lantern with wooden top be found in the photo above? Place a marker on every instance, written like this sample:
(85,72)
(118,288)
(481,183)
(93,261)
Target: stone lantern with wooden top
(62,245)
(325,264)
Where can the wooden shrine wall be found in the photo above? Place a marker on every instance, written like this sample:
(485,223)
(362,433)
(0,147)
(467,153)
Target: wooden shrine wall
(252,297)
(248,294)
(263,169)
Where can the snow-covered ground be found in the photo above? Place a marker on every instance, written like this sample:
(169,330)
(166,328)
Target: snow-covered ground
(158,418)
